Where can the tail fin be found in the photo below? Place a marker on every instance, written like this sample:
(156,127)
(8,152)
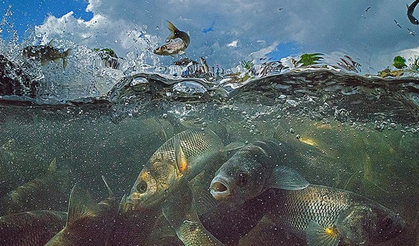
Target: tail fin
(172,30)
(65,54)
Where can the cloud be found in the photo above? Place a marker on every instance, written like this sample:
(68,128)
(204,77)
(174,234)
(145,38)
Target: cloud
(226,32)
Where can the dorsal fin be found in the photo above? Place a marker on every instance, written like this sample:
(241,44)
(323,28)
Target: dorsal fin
(52,168)
(111,194)
(172,30)
(80,205)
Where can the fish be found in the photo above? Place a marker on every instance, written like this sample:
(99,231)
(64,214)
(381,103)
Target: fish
(230,223)
(27,197)
(204,64)
(131,227)
(176,43)
(87,223)
(326,216)
(185,61)
(255,168)
(410,9)
(180,212)
(46,53)
(30,228)
(181,157)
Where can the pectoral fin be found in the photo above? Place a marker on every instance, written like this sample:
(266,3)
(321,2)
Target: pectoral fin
(318,235)
(181,161)
(233,146)
(64,63)
(287,178)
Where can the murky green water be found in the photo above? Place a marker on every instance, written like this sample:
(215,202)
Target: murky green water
(365,144)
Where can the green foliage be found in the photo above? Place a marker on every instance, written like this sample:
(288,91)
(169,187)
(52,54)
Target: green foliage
(310,59)
(247,65)
(107,51)
(399,62)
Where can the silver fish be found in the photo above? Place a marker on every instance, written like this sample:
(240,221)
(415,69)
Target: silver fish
(326,216)
(30,196)
(176,43)
(182,157)
(255,168)
(180,212)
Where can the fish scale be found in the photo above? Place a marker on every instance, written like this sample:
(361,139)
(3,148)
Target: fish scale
(180,158)
(311,204)
(193,143)
(328,216)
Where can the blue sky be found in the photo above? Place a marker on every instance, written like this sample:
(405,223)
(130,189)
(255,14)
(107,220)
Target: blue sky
(29,13)
(227,32)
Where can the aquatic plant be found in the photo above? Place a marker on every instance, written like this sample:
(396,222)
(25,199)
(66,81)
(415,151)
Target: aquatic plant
(399,62)
(247,65)
(349,64)
(310,59)
(414,67)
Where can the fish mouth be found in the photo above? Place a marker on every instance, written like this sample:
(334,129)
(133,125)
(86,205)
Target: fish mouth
(220,189)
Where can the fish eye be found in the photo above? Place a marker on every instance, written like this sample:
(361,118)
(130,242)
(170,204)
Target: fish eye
(243,178)
(142,187)
(386,223)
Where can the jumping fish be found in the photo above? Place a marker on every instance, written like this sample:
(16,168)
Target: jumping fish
(46,53)
(176,43)
(410,9)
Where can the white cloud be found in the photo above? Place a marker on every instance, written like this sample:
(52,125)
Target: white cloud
(315,25)
(233,44)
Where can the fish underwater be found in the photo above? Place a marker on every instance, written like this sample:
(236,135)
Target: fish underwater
(30,228)
(176,43)
(180,212)
(46,53)
(132,227)
(181,157)
(410,9)
(88,223)
(326,216)
(27,197)
(255,168)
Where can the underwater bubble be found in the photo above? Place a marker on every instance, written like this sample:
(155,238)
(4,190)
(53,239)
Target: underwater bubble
(414,97)
(137,81)
(189,87)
